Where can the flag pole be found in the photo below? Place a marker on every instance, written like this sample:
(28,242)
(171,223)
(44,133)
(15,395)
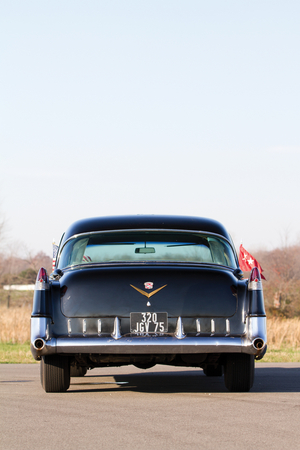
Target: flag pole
(54,253)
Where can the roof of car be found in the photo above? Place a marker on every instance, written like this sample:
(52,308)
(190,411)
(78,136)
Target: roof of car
(145,222)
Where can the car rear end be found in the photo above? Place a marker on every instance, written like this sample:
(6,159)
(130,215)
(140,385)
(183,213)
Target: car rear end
(147,297)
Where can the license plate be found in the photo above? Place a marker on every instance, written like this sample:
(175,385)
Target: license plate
(148,322)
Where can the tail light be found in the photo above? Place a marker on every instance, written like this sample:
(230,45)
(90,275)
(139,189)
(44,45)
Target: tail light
(42,279)
(255,283)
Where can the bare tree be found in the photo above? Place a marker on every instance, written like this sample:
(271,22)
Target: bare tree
(39,260)
(282,271)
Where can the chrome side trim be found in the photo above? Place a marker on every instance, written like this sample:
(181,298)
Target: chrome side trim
(198,325)
(84,326)
(99,327)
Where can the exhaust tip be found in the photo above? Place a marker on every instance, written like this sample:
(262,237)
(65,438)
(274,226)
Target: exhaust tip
(258,343)
(39,344)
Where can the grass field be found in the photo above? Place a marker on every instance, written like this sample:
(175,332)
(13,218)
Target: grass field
(16,354)
(283,337)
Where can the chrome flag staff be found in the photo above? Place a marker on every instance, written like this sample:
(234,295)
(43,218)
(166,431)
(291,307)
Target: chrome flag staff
(54,251)
(247,262)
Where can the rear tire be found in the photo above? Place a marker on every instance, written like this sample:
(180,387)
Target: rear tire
(42,373)
(55,373)
(239,372)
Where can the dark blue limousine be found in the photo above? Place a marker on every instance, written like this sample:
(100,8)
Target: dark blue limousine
(147,290)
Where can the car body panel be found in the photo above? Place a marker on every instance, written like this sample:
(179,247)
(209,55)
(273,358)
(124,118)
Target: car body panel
(188,292)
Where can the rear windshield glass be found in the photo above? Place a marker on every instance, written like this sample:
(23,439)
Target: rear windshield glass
(148,246)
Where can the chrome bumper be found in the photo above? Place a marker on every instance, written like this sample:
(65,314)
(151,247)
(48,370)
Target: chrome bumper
(42,344)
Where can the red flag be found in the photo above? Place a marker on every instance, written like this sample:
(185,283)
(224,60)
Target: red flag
(247,262)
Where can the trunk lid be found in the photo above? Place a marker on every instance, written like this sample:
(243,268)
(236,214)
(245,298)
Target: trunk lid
(179,291)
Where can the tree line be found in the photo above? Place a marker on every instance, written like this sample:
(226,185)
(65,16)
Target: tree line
(17,270)
(282,286)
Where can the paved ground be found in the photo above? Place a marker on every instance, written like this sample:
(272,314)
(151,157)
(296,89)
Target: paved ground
(164,407)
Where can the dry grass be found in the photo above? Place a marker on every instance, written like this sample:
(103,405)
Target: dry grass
(15,324)
(15,328)
(283,333)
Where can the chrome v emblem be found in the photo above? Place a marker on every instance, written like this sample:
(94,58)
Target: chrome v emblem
(146,293)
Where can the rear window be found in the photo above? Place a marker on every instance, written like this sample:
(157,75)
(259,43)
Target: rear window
(146,246)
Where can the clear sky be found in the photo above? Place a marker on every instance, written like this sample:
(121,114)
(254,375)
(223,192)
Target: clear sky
(158,106)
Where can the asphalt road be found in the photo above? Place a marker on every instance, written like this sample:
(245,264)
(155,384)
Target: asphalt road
(163,407)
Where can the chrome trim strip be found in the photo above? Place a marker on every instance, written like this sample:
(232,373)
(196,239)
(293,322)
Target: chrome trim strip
(255,286)
(149,263)
(198,325)
(84,326)
(41,286)
(227,327)
(212,326)
(179,332)
(130,230)
(47,333)
(69,327)
(99,327)
(116,334)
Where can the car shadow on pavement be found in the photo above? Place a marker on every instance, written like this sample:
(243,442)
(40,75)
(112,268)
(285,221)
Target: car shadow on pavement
(267,379)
